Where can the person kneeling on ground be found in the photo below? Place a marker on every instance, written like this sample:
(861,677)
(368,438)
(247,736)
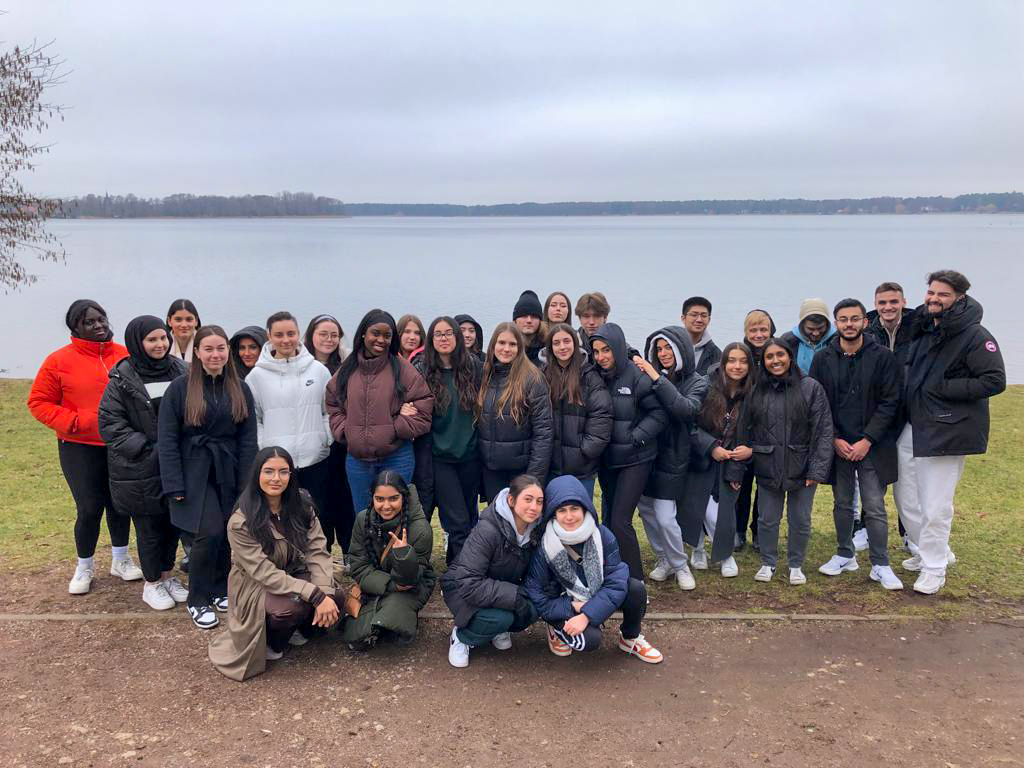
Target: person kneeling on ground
(577,580)
(280,584)
(483,585)
(389,560)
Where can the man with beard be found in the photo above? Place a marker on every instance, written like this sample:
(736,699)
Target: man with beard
(953,367)
(862,382)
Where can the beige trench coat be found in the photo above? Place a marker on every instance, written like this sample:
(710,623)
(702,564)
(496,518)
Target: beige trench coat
(240,653)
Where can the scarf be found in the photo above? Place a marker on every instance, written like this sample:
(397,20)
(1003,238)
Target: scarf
(554,544)
(149,369)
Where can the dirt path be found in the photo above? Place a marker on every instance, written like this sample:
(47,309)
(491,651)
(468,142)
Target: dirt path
(142,693)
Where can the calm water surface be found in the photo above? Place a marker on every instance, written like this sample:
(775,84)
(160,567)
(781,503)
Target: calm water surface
(238,271)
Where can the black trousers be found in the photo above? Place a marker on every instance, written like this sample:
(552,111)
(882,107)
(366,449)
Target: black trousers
(494,480)
(423,473)
(338,515)
(157,541)
(456,487)
(287,613)
(314,479)
(209,558)
(85,470)
(744,513)
(622,488)
(633,609)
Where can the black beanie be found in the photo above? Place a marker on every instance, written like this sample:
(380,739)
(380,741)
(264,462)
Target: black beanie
(528,304)
(78,309)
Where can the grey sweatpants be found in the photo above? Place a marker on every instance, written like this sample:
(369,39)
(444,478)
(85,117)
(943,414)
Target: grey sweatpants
(798,504)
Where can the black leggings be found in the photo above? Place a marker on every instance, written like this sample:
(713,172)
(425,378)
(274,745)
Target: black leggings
(209,558)
(622,488)
(744,511)
(85,470)
(456,487)
(495,480)
(157,540)
(314,480)
(338,515)
(633,609)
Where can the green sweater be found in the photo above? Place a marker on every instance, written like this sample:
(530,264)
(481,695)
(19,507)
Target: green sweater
(453,431)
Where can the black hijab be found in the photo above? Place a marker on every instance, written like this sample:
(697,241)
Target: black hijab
(148,368)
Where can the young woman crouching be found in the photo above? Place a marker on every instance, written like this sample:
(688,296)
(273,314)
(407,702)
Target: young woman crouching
(577,580)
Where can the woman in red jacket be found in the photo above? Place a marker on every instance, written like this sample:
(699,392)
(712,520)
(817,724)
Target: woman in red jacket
(65,397)
(378,404)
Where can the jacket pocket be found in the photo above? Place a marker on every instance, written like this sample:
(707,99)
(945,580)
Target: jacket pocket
(763,460)
(796,461)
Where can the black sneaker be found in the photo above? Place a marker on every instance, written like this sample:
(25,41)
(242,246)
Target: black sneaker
(203,616)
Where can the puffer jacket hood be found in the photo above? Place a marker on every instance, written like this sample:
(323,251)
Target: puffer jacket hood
(682,348)
(479,346)
(771,321)
(254,332)
(290,410)
(504,511)
(563,490)
(612,335)
(963,314)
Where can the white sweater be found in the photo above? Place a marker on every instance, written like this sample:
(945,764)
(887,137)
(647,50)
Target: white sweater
(290,409)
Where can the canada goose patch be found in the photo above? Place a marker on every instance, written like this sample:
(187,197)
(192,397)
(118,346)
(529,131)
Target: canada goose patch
(991,346)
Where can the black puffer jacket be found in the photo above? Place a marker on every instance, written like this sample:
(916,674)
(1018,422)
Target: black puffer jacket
(904,333)
(788,425)
(953,368)
(637,417)
(582,432)
(682,401)
(507,446)
(489,569)
(128,425)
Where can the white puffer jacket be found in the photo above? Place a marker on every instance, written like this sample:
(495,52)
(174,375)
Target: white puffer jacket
(290,410)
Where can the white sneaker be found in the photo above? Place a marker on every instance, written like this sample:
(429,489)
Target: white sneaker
(156,597)
(884,575)
(220,604)
(699,559)
(860,540)
(177,590)
(458,651)
(764,573)
(503,641)
(912,563)
(729,567)
(950,557)
(838,564)
(297,639)
(273,655)
(80,582)
(126,568)
(661,571)
(796,577)
(929,583)
(203,616)
(685,579)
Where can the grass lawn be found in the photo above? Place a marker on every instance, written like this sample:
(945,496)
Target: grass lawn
(37,519)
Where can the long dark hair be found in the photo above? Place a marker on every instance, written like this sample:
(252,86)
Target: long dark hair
(351,362)
(334,360)
(719,403)
(403,321)
(795,403)
(564,383)
(521,372)
(195,402)
(463,370)
(297,509)
(375,536)
(184,304)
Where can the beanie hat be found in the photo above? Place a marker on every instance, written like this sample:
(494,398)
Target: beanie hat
(810,307)
(528,304)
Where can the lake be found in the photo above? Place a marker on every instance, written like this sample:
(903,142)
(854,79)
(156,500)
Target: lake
(238,271)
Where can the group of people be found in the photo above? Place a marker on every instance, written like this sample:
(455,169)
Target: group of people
(261,451)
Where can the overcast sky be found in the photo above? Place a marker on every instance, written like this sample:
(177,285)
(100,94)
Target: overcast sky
(481,103)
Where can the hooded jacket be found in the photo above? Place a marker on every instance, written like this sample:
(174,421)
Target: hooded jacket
(788,425)
(128,425)
(290,409)
(543,587)
(507,446)
(682,402)
(637,416)
(952,369)
(66,392)
(253,332)
(804,350)
(478,348)
(490,567)
(369,420)
(582,432)
(757,353)
(877,383)
(708,353)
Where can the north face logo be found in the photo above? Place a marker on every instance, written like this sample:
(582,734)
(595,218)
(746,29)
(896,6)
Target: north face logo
(625,391)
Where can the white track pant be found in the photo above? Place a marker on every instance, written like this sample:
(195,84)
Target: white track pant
(924,498)
(659,519)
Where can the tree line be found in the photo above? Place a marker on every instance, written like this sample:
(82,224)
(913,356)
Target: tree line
(307,204)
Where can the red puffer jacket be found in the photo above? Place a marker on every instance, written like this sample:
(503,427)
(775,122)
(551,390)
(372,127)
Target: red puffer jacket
(368,420)
(67,390)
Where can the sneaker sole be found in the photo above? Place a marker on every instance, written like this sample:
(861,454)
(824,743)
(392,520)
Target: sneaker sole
(159,607)
(730,574)
(629,652)
(763,579)
(797,582)
(911,568)
(502,647)
(929,591)
(893,588)
(844,569)
(126,578)
(79,591)
(458,666)
(700,566)
(655,578)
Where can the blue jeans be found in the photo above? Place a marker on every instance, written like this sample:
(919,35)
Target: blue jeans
(362,472)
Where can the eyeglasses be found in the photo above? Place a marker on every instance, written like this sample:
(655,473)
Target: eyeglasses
(328,336)
(698,315)
(444,335)
(284,474)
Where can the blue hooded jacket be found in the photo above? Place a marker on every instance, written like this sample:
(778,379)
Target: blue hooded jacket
(542,585)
